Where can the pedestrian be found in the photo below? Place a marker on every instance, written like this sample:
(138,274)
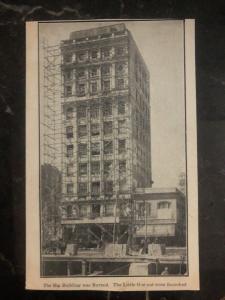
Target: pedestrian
(165,271)
(142,247)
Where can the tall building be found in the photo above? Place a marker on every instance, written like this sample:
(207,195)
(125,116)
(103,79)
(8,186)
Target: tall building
(106,143)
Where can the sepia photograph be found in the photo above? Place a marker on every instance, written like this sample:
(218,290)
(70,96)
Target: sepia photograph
(116,174)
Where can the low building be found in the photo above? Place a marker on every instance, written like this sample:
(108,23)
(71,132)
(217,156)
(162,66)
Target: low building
(160,215)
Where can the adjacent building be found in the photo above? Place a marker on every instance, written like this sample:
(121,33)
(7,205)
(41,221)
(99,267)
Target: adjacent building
(160,215)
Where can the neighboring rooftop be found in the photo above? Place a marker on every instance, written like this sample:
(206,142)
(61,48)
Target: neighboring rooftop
(156,190)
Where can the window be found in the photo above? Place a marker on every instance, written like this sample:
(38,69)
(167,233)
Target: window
(95,131)
(108,147)
(108,127)
(69,149)
(96,208)
(120,68)
(81,111)
(120,83)
(95,148)
(163,205)
(93,87)
(106,53)
(121,146)
(95,168)
(164,211)
(122,167)
(68,90)
(94,54)
(109,210)
(69,132)
(106,85)
(82,188)
(107,108)
(82,130)
(93,37)
(80,74)
(122,126)
(94,111)
(81,89)
(121,106)
(105,35)
(78,40)
(119,51)
(95,188)
(69,211)
(81,56)
(105,70)
(108,187)
(67,75)
(93,72)
(69,188)
(82,149)
(82,169)
(69,169)
(108,167)
(67,58)
(122,184)
(140,210)
(83,211)
(69,113)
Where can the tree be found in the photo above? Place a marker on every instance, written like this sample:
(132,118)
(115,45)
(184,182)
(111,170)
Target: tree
(50,202)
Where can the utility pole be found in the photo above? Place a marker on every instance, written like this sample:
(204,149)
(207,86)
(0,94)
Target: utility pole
(114,225)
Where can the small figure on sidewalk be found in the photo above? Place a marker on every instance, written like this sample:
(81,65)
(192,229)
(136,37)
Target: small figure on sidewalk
(165,271)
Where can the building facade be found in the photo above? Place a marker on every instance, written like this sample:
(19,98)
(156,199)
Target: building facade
(106,146)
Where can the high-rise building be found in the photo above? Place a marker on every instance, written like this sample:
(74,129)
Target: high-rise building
(106,143)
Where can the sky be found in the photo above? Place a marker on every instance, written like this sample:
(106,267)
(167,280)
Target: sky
(161,44)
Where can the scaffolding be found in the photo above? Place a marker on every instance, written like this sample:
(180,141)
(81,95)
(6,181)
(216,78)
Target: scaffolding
(51,103)
(50,119)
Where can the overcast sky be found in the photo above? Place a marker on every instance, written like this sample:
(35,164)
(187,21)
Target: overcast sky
(161,45)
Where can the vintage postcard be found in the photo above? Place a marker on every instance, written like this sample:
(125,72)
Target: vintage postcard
(111,153)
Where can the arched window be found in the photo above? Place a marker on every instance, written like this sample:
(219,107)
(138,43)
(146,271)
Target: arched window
(163,205)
